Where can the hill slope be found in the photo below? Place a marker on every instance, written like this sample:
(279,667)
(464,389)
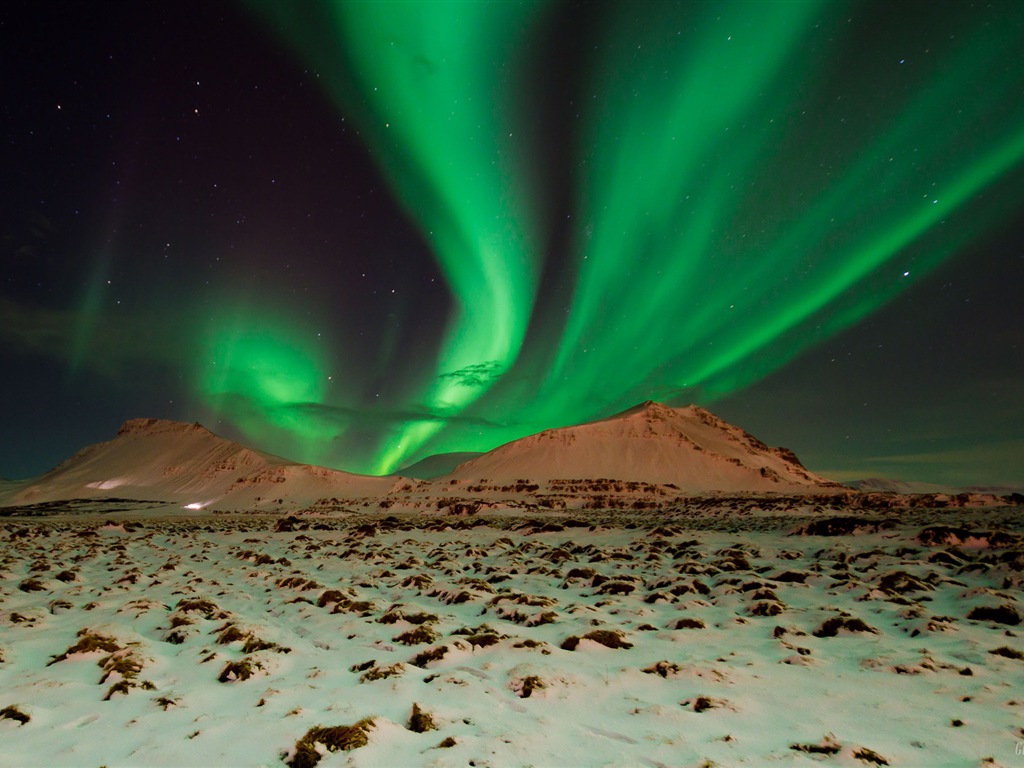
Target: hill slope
(437,465)
(155,459)
(690,448)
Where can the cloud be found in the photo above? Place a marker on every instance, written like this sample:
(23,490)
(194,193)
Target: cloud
(118,343)
(988,452)
(994,463)
(476,375)
(34,330)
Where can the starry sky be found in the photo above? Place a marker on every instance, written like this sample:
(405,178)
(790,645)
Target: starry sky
(357,234)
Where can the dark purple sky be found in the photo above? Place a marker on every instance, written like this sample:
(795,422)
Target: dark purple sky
(267,218)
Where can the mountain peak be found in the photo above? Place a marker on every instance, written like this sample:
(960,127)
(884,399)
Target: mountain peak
(647,408)
(157,427)
(653,410)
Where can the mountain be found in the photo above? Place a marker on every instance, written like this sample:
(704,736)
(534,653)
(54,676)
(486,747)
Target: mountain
(437,465)
(686,450)
(690,448)
(889,485)
(159,460)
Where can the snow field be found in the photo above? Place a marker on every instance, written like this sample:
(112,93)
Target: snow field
(184,600)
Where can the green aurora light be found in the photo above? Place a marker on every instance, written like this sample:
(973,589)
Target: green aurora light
(733,205)
(259,373)
(429,82)
(685,255)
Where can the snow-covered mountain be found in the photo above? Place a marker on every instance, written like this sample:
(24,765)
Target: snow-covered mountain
(155,459)
(686,450)
(690,448)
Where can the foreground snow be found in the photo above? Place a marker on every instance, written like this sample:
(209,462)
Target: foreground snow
(471,621)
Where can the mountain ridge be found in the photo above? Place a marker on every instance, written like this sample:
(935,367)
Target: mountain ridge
(174,461)
(686,450)
(689,447)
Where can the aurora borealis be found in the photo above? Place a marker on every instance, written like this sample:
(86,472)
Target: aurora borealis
(358,234)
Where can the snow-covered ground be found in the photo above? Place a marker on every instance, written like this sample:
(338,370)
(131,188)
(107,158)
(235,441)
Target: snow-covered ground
(125,642)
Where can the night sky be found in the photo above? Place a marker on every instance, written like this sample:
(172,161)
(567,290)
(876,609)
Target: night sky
(357,234)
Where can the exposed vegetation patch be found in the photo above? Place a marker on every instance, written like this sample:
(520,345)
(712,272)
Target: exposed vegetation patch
(835,625)
(523,687)
(253,644)
(178,635)
(607,637)
(394,614)
(901,583)
(257,558)
(702,703)
(1001,614)
(791,577)
(230,634)
(88,642)
(827,746)
(430,655)
(616,588)
(484,639)
(122,663)
(537,601)
(767,608)
(317,741)
(663,669)
(207,608)
(482,636)
(1007,652)
(13,713)
(946,557)
(59,606)
(236,671)
(417,636)
(846,525)
(373,672)
(937,535)
(539,619)
(119,664)
(32,585)
(329,597)
(585,577)
(298,582)
(420,721)
(452,596)
(869,756)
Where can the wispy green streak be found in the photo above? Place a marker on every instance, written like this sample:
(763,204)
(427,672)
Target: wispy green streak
(694,263)
(430,84)
(746,185)
(266,375)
